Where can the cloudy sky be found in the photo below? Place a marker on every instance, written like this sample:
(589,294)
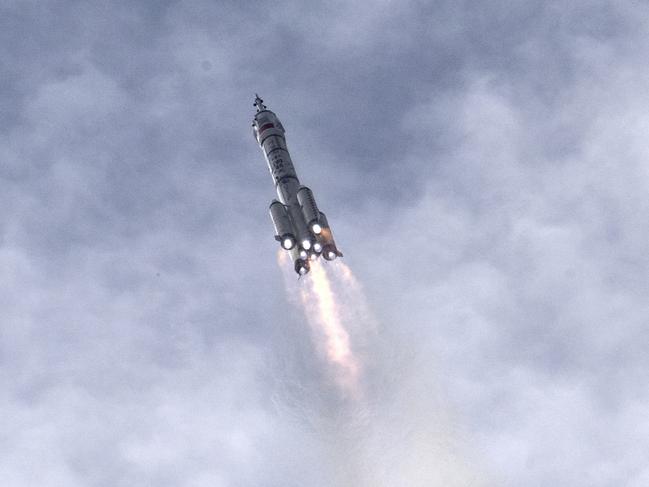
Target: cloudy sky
(485,168)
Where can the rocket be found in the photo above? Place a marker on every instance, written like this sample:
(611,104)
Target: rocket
(300,227)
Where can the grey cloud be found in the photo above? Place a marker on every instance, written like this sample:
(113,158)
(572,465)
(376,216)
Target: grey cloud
(483,167)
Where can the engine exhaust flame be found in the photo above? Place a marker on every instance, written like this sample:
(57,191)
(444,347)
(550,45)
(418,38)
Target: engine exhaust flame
(389,429)
(327,319)
(327,323)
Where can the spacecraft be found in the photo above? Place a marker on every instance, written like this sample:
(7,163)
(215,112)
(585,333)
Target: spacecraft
(300,227)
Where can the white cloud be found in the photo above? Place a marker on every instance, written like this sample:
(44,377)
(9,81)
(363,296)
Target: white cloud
(485,172)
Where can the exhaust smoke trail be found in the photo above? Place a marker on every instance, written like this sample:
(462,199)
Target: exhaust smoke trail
(386,426)
(330,332)
(322,309)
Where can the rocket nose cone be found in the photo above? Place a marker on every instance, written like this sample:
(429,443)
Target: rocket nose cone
(259,103)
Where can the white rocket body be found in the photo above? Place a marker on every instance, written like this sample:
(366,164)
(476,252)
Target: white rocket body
(300,227)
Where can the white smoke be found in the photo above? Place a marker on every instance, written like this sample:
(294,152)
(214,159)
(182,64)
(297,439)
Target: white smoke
(378,421)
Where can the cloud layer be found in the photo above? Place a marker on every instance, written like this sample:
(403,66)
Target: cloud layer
(484,169)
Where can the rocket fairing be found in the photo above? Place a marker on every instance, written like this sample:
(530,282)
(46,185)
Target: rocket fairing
(300,227)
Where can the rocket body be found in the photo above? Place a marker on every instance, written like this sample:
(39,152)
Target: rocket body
(300,227)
